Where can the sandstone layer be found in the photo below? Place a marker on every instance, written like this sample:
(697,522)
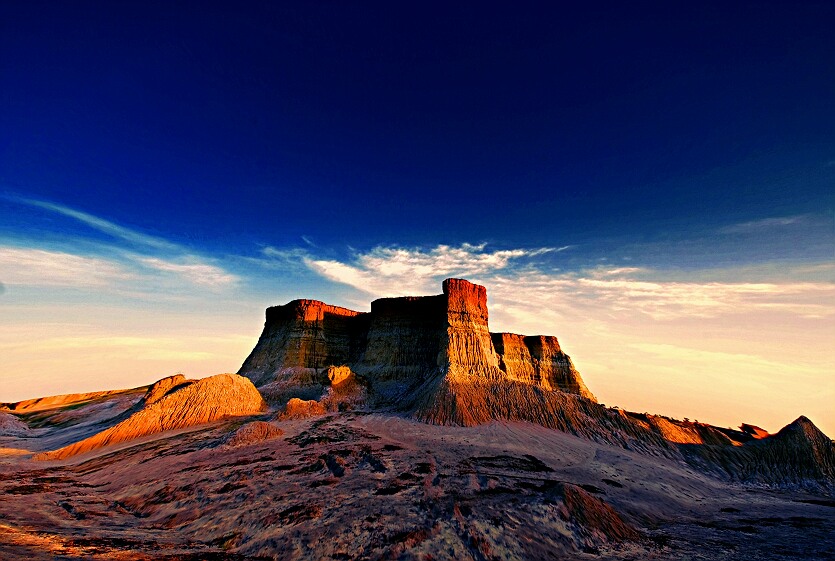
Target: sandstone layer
(181,405)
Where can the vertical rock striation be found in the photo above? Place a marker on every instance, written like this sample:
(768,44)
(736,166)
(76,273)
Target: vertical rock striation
(469,348)
(404,343)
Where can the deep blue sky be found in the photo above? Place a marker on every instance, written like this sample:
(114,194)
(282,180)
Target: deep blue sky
(231,126)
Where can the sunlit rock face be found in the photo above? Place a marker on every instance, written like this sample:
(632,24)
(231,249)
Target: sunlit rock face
(538,360)
(174,403)
(469,348)
(405,349)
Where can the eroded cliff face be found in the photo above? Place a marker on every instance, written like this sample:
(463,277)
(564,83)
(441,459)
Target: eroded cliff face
(305,334)
(407,350)
(538,360)
(404,342)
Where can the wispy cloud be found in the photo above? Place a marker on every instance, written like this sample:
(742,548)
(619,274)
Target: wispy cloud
(520,285)
(198,273)
(290,260)
(755,226)
(104,226)
(133,262)
(390,271)
(120,273)
(37,267)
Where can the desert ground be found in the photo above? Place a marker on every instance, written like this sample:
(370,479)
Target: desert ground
(377,485)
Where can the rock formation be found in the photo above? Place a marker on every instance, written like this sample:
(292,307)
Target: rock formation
(435,358)
(301,409)
(404,349)
(173,404)
(539,361)
(252,433)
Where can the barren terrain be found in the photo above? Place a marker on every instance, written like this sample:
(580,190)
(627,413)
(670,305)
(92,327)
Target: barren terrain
(380,486)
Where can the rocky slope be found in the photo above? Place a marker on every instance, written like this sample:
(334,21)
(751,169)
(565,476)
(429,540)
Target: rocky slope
(174,403)
(12,426)
(360,485)
(799,454)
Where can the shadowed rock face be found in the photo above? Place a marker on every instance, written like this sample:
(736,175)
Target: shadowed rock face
(407,346)
(305,334)
(404,342)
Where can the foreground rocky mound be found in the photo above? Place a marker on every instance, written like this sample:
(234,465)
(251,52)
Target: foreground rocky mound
(253,432)
(174,403)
